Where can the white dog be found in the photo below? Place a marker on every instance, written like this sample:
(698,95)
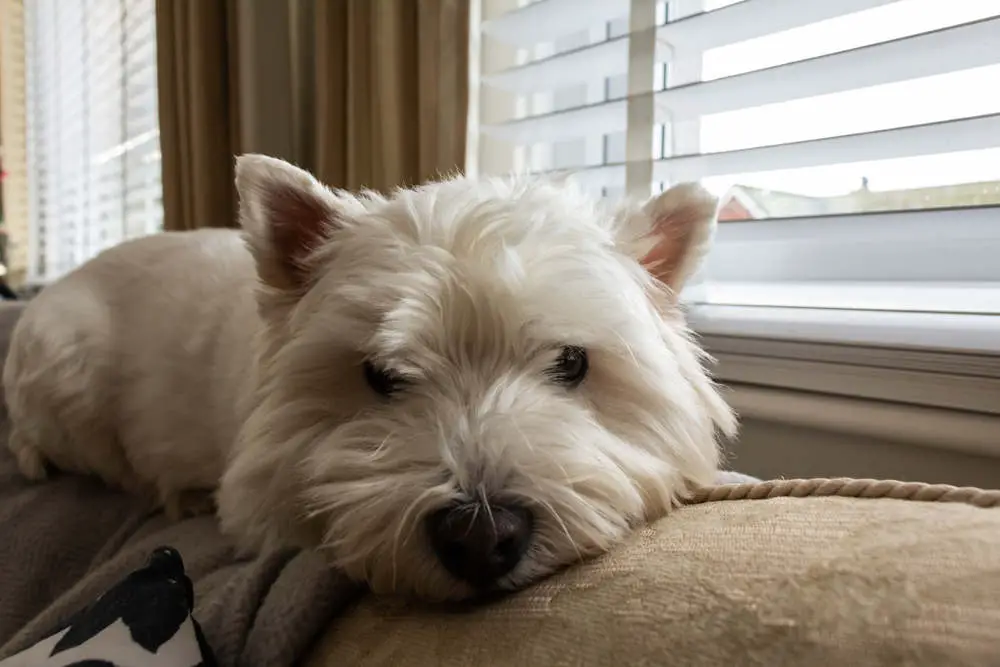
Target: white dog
(453,390)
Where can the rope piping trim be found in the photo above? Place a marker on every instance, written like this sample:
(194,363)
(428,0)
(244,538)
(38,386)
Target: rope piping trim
(846,487)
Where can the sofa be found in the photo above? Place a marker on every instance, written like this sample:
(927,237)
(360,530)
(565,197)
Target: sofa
(780,572)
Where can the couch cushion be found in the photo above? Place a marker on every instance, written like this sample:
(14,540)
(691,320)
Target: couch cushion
(785,581)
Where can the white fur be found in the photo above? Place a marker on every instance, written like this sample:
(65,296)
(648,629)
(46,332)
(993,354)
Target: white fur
(130,366)
(166,363)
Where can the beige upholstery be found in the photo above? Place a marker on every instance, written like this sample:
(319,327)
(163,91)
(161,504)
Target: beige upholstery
(786,581)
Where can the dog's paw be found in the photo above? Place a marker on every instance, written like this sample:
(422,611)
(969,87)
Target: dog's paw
(181,505)
(30,461)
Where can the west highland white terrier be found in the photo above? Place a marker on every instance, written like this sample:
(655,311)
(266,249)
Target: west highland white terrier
(452,390)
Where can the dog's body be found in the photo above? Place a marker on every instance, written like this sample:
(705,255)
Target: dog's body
(456,389)
(130,367)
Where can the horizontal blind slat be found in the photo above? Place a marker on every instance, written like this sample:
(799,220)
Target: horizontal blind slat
(966,134)
(944,51)
(706,30)
(954,49)
(548,20)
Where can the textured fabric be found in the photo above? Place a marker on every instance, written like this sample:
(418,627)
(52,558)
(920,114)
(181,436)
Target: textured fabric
(846,487)
(786,581)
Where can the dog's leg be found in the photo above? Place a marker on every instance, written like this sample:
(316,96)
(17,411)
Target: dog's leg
(30,460)
(178,505)
(60,391)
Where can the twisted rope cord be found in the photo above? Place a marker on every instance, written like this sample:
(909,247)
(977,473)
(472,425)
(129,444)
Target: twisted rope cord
(846,487)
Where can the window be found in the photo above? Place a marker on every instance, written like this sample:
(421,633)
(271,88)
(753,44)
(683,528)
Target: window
(13,152)
(854,145)
(92,130)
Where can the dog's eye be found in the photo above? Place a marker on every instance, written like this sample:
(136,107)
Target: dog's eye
(382,380)
(571,366)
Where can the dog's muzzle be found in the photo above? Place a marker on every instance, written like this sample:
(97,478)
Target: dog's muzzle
(479,542)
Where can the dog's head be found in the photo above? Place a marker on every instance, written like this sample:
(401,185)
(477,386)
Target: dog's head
(469,384)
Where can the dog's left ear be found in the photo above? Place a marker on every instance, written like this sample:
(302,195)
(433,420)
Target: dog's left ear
(286,215)
(675,232)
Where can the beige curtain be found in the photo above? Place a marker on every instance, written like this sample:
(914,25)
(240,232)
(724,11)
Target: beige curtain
(199,112)
(391,90)
(13,120)
(364,93)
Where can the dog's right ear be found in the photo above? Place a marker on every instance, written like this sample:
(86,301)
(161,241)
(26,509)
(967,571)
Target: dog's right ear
(286,214)
(671,233)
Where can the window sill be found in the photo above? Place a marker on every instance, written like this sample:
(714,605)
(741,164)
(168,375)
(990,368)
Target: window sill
(933,428)
(964,332)
(942,362)
(955,297)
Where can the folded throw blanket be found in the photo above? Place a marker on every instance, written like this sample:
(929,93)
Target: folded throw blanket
(68,541)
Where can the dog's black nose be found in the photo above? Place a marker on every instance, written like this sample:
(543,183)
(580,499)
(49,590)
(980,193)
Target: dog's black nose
(479,543)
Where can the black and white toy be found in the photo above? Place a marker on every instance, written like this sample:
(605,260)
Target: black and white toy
(144,621)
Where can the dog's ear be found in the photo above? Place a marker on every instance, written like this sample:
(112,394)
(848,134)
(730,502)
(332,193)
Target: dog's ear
(286,214)
(675,231)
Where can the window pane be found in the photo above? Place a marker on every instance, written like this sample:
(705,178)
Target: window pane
(881,24)
(919,101)
(589,151)
(92,128)
(970,178)
(956,179)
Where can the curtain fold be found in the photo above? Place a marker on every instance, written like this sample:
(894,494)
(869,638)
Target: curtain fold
(363,93)
(199,111)
(392,90)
